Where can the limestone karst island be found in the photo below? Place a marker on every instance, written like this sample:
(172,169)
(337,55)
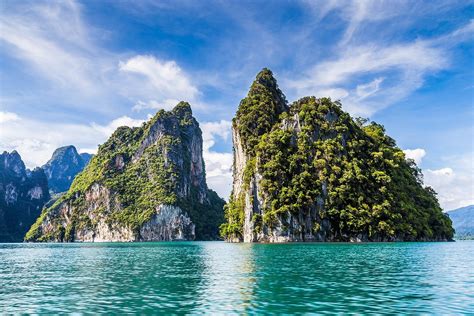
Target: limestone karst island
(252,157)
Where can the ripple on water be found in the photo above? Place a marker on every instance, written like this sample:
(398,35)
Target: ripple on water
(216,277)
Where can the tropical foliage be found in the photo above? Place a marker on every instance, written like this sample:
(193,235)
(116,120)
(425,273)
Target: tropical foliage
(314,156)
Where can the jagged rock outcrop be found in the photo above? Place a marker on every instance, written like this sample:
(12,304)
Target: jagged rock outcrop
(146,183)
(22,196)
(309,172)
(63,166)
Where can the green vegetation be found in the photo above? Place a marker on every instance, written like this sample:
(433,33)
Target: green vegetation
(259,111)
(315,157)
(234,216)
(141,171)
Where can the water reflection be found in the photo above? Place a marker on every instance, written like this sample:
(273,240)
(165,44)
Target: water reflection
(229,278)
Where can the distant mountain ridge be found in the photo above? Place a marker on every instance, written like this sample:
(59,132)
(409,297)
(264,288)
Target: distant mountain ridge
(63,166)
(463,221)
(24,192)
(22,196)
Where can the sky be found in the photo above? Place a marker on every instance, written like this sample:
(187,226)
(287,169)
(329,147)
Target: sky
(71,72)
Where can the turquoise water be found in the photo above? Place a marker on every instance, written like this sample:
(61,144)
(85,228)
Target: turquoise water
(216,277)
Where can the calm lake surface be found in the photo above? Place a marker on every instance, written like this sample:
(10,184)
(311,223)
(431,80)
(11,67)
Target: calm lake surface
(216,277)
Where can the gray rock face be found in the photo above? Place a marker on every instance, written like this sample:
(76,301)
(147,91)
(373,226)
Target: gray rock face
(288,227)
(169,223)
(253,203)
(22,196)
(63,166)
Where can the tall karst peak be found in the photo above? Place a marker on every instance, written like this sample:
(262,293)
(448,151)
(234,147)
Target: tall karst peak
(309,172)
(259,110)
(145,183)
(65,151)
(12,163)
(183,109)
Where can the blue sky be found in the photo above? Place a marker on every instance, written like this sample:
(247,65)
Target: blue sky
(73,71)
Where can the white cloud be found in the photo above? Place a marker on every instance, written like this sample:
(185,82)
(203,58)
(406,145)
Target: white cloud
(359,63)
(334,93)
(404,67)
(164,81)
(218,164)
(358,12)
(212,129)
(365,90)
(415,154)
(454,185)
(52,39)
(61,52)
(167,104)
(36,140)
(108,129)
(8,116)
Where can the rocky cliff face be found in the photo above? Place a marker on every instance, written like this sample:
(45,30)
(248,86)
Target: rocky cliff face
(144,184)
(309,172)
(22,196)
(63,166)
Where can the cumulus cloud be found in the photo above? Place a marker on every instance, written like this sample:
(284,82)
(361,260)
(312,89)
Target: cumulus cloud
(8,116)
(163,80)
(415,154)
(454,185)
(113,125)
(218,164)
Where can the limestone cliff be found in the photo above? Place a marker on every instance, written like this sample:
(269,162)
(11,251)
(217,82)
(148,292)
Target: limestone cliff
(145,184)
(310,172)
(22,196)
